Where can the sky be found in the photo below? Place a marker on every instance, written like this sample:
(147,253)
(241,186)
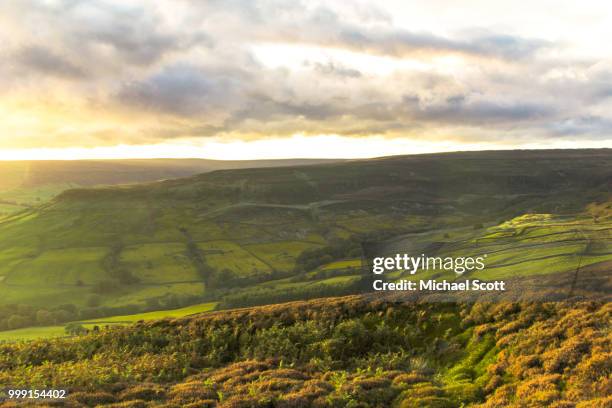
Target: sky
(255,79)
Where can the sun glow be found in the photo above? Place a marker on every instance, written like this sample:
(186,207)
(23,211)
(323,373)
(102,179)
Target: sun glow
(298,146)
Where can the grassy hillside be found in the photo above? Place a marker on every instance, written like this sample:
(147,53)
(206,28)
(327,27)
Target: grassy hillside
(257,236)
(544,252)
(341,352)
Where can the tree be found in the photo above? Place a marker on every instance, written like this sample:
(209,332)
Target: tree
(24,310)
(94,300)
(62,315)
(44,317)
(152,303)
(16,322)
(69,307)
(75,329)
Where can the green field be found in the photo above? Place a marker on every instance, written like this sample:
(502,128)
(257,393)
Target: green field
(31,333)
(228,255)
(159,263)
(160,314)
(59,267)
(528,245)
(280,254)
(344,264)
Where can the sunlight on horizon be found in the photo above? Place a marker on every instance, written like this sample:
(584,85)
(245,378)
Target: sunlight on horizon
(299,146)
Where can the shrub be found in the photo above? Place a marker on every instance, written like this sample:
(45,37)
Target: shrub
(192,392)
(144,391)
(44,318)
(92,399)
(75,329)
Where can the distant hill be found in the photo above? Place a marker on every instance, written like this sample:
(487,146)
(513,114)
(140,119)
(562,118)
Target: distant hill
(29,183)
(96,172)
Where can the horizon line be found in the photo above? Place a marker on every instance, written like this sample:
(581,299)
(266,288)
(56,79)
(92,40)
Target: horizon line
(279,159)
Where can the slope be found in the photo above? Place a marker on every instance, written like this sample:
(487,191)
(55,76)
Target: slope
(337,352)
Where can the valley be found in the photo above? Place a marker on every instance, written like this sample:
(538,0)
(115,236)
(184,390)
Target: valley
(260,236)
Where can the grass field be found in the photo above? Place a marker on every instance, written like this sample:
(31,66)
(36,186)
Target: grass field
(522,246)
(531,244)
(280,254)
(233,257)
(160,314)
(344,264)
(32,333)
(59,267)
(159,263)
(138,294)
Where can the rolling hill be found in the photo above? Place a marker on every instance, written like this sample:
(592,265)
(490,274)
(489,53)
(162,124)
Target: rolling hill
(25,184)
(263,235)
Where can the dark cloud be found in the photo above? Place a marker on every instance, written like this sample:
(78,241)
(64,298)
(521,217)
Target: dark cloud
(137,35)
(45,62)
(335,69)
(458,110)
(106,38)
(583,125)
(184,90)
(264,108)
(396,42)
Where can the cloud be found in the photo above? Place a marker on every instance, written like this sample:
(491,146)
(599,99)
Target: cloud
(459,110)
(145,71)
(106,37)
(399,43)
(44,62)
(181,90)
(369,32)
(335,69)
(596,126)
